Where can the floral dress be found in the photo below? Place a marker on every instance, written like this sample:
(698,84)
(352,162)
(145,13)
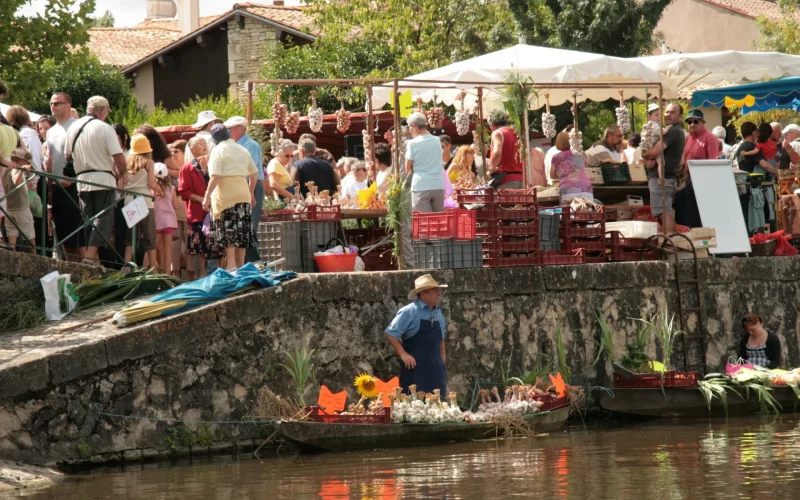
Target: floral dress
(573,181)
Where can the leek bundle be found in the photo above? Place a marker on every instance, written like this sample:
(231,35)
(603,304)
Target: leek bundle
(123,285)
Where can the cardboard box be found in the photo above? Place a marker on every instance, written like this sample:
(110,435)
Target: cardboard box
(702,253)
(627,213)
(634,228)
(703,233)
(638,173)
(595,175)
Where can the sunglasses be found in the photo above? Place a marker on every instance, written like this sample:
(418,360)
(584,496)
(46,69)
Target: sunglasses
(692,122)
(57,104)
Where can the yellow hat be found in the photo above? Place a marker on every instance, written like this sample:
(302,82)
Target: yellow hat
(8,140)
(140,145)
(423,283)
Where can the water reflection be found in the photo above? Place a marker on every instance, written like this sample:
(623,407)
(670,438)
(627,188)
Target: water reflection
(739,458)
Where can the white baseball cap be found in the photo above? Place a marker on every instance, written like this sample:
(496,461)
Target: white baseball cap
(204,118)
(652,108)
(161,171)
(235,121)
(791,128)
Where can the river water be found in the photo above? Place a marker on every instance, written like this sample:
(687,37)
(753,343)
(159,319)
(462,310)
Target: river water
(756,457)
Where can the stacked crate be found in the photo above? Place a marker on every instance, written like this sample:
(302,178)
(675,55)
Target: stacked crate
(586,231)
(553,251)
(294,241)
(621,249)
(378,258)
(445,240)
(508,224)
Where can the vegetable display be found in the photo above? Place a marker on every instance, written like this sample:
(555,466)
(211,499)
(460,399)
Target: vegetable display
(576,141)
(342,119)
(424,408)
(549,125)
(435,117)
(623,118)
(315,115)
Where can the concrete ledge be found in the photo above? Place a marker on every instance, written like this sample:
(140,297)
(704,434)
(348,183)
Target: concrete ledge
(22,376)
(569,277)
(81,360)
(28,266)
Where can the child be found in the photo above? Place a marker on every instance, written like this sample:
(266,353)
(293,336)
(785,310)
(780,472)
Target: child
(651,134)
(764,144)
(20,218)
(141,179)
(166,219)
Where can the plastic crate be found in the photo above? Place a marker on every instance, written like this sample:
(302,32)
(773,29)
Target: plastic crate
(548,226)
(509,246)
(314,238)
(654,380)
(550,245)
(319,213)
(483,196)
(466,254)
(281,216)
(550,403)
(615,174)
(380,259)
(497,260)
(562,258)
(516,214)
(432,254)
(623,249)
(317,414)
(359,237)
(594,244)
(281,240)
(594,257)
(457,224)
(529,229)
(574,231)
(516,197)
(568,215)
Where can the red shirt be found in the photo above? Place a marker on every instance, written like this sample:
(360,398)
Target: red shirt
(192,181)
(769,148)
(702,146)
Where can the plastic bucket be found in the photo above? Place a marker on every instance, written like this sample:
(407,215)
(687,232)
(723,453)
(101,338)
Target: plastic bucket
(344,263)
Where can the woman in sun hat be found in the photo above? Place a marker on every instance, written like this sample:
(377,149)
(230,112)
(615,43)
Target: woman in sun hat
(205,120)
(417,334)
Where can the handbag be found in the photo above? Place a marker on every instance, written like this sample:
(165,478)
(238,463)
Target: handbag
(69,166)
(734,366)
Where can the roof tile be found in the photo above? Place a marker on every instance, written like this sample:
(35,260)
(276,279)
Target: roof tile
(750,8)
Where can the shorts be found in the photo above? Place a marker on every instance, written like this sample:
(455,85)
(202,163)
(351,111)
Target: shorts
(670,186)
(98,234)
(167,230)
(24,219)
(145,233)
(198,243)
(67,216)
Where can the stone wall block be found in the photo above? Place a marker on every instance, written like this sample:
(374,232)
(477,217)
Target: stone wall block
(519,280)
(77,362)
(715,271)
(569,277)
(756,269)
(23,376)
(469,281)
(618,275)
(788,268)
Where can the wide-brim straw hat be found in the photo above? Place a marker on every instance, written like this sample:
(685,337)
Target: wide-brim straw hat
(423,283)
(204,118)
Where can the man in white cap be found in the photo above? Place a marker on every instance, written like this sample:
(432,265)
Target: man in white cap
(417,334)
(788,154)
(205,120)
(237,128)
(98,159)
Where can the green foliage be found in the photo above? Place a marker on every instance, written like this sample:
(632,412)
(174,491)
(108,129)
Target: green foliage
(300,367)
(781,34)
(187,113)
(172,441)
(84,451)
(561,351)
(606,338)
(105,21)
(597,118)
(205,435)
(398,207)
(784,116)
(636,351)
(623,28)
(25,309)
(539,370)
(27,41)
(663,326)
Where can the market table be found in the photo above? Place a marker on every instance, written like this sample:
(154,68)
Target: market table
(358,213)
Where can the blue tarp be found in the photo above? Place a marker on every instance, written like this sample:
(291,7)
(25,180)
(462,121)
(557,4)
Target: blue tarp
(775,94)
(221,284)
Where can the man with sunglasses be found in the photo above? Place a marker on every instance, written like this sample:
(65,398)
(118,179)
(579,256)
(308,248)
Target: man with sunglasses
(701,144)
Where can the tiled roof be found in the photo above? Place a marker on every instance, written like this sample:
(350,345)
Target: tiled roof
(686,92)
(124,47)
(750,8)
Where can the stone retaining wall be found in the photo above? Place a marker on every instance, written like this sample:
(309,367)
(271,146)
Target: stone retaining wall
(65,404)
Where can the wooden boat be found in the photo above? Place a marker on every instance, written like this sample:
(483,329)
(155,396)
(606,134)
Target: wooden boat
(317,436)
(686,402)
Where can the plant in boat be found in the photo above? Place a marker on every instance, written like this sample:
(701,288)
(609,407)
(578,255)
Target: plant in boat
(635,357)
(663,326)
(366,385)
(300,366)
(561,351)
(606,341)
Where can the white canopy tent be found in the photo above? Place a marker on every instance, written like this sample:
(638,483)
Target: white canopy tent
(543,65)
(680,71)
(4,109)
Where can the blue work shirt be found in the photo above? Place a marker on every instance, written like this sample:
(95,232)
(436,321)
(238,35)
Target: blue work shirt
(254,149)
(406,324)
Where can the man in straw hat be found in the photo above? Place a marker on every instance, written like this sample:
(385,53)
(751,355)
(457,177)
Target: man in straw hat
(417,334)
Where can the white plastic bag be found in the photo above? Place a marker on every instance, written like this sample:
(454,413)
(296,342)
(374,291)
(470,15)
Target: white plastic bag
(59,300)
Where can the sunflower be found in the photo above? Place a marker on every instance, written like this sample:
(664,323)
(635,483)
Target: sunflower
(366,385)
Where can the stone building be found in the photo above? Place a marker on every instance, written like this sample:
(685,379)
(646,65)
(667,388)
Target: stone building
(171,60)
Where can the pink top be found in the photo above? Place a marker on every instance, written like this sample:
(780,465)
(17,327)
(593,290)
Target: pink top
(165,211)
(702,146)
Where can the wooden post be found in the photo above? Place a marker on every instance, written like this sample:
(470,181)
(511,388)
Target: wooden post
(527,171)
(397,131)
(661,155)
(484,166)
(371,128)
(249,101)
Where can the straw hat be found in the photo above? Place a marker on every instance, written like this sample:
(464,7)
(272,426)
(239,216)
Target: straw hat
(140,145)
(22,154)
(423,283)
(204,118)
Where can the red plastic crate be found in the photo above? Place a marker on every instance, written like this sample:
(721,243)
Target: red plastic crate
(516,197)
(281,216)
(653,380)
(380,259)
(574,231)
(562,258)
(319,213)
(516,214)
(594,257)
(317,414)
(531,260)
(522,245)
(567,214)
(527,229)
(455,224)
(589,245)
(551,403)
(623,249)
(483,196)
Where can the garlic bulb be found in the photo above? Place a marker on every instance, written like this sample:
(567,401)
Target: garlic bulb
(650,133)
(367,140)
(576,141)
(549,125)
(279,112)
(292,122)
(275,140)
(314,115)
(462,122)
(435,117)
(342,120)
(623,119)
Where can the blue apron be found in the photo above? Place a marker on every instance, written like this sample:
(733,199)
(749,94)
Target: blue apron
(430,372)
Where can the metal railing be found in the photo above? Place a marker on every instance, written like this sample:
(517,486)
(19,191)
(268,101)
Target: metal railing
(41,248)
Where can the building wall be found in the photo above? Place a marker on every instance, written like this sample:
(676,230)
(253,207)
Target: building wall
(697,26)
(143,87)
(247,47)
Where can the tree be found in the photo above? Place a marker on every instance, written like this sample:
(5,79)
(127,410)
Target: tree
(105,21)
(27,41)
(623,28)
(782,34)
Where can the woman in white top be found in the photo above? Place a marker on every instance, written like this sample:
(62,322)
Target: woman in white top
(280,180)
(424,165)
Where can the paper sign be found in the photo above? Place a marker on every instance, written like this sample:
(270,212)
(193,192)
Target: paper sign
(406,103)
(331,402)
(561,387)
(135,211)
(387,388)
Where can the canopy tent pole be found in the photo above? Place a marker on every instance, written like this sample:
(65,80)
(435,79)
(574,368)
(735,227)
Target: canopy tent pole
(249,102)
(397,131)
(370,127)
(484,167)
(661,155)
(527,171)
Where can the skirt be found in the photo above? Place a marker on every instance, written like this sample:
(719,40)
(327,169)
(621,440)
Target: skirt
(199,243)
(234,228)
